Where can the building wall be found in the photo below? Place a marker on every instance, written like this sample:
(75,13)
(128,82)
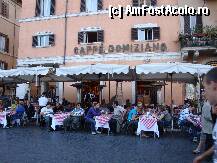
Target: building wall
(10,27)
(115,32)
(75,23)
(211,4)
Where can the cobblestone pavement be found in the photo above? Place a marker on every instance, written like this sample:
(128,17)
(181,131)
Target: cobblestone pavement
(33,145)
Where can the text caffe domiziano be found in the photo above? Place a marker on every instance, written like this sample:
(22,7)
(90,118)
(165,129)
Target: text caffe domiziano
(124,48)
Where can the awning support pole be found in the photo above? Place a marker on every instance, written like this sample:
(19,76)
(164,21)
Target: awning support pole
(171,100)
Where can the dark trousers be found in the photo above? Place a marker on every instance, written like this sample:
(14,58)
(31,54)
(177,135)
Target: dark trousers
(92,123)
(208,144)
(113,125)
(9,119)
(132,126)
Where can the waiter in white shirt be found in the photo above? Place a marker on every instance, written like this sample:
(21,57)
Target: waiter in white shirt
(42,101)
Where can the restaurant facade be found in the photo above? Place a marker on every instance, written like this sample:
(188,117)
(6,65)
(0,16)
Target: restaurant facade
(80,32)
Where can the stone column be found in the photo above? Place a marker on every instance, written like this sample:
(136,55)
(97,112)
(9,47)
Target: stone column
(60,91)
(78,94)
(133,87)
(159,99)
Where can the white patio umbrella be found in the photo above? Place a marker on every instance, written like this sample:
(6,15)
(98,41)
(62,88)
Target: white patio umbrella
(93,69)
(183,72)
(23,74)
(103,72)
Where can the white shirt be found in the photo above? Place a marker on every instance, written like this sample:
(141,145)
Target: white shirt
(119,110)
(78,112)
(46,110)
(184,114)
(42,101)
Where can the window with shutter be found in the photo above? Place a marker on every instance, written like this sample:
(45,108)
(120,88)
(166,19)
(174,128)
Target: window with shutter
(52,9)
(52,40)
(43,40)
(7,45)
(187,28)
(156,33)
(100,36)
(135,3)
(34,41)
(145,34)
(5,9)
(134,34)
(153,2)
(91,5)
(3,42)
(83,6)
(80,37)
(5,66)
(45,7)
(100,5)
(38,8)
(199,24)
(0,7)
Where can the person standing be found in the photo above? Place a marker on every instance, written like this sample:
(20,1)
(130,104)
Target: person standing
(210,84)
(42,101)
(207,126)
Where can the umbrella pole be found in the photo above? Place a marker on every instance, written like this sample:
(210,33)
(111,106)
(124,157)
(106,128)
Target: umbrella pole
(109,90)
(199,109)
(164,93)
(171,100)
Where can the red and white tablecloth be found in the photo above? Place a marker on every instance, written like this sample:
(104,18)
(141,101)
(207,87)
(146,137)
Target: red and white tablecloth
(102,121)
(197,120)
(3,119)
(57,119)
(147,124)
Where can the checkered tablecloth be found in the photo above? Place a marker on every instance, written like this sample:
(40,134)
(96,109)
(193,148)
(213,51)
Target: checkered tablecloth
(102,120)
(197,120)
(3,119)
(57,119)
(147,124)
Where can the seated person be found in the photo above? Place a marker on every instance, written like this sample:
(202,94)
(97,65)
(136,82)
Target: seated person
(89,118)
(69,108)
(133,116)
(163,119)
(58,108)
(29,109)
(14,105)
(104,110)
(1,106)
(73,121)
(46,112)
(118,117)
(19,112)
(65,102)
(186,119)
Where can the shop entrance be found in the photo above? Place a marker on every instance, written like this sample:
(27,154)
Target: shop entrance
(147,92)
(90,92)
